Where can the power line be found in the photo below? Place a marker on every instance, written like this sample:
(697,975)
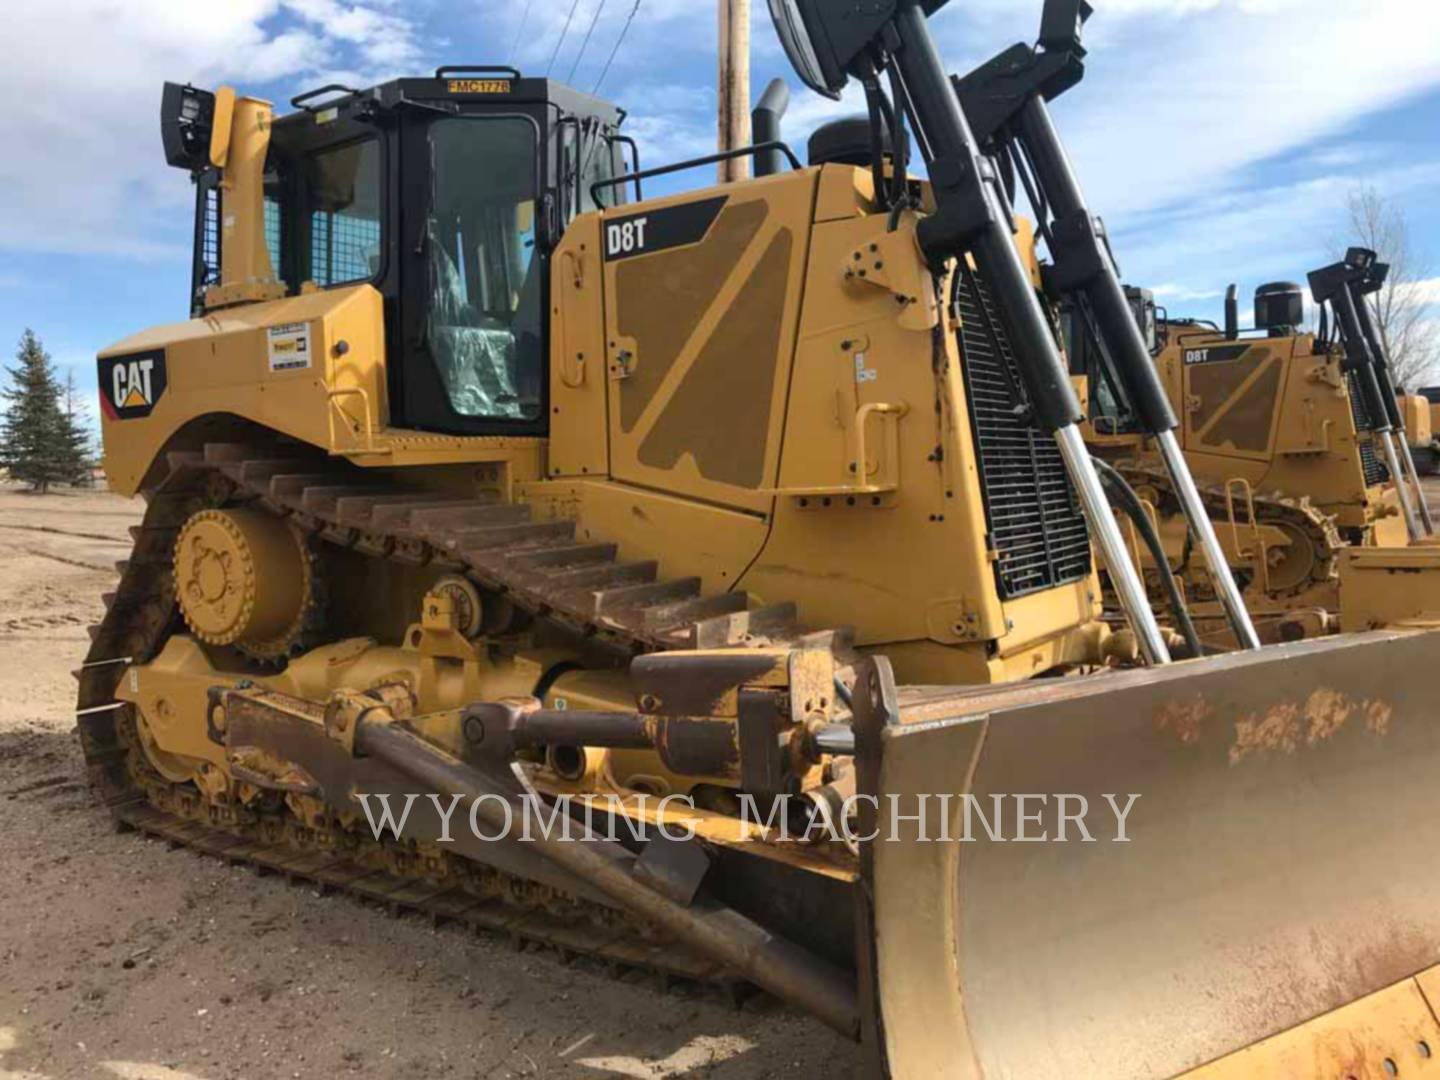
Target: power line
(564,33)
(520,31)
(618,42)
(585,44)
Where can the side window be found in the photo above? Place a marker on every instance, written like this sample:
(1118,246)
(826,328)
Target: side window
(598,163)
(342,191)
(273,232)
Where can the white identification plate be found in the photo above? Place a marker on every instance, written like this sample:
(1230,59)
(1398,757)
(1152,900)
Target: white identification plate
(289,347)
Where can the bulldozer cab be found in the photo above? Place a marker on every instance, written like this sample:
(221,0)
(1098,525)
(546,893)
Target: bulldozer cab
(446,195)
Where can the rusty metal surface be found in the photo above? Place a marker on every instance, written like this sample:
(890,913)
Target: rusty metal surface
(1277,867)
(1391,1033)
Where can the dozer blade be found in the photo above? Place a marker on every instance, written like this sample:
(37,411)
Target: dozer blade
(1278,867)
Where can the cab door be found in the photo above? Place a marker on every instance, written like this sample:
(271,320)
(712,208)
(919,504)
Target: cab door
(475,282)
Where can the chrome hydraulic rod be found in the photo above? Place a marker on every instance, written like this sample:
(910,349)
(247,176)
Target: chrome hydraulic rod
(1203,529)
(1402,488)
(973,215)
(1421,502)
(1083,263)
(1103,527)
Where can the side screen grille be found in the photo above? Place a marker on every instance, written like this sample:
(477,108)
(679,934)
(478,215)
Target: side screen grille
(1357,404)
(1375,471)
(1036,525)
(207,242)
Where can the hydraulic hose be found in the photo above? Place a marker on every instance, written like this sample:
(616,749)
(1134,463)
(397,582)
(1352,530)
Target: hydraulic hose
(1121,491)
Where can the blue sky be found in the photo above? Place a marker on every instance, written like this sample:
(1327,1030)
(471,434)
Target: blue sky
(1219,138)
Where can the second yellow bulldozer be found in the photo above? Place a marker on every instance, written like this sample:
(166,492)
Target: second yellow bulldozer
(1297,461)
(705,583)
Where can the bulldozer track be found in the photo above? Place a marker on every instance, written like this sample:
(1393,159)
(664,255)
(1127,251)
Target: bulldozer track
(539,566)
(1318,528)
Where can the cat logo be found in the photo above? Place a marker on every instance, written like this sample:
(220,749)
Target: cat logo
(130,386)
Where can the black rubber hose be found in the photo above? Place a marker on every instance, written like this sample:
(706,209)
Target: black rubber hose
(1121,490)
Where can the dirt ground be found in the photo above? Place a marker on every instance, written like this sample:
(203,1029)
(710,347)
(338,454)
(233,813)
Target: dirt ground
(120,958)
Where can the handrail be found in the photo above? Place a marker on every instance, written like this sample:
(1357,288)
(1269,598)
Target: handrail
(477,69)
(694,163)
(1261,556)
(298,101)
(353,391)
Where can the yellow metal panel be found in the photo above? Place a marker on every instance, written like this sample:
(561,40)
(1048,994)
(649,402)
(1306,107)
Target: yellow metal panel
(577,354)
(907,565)
(1391,1033)
(221,365)
(686,537)
(844,192)
(221,126)
(701,338)
(1389,586)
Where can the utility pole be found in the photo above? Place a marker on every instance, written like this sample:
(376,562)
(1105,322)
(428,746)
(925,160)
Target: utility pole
(734,86)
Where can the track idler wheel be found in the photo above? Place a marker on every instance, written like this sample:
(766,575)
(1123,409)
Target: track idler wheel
(243,578)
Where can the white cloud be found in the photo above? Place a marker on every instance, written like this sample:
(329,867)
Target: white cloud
(83,172)
(1173,291)
(1425,292)
(1279,232)
(1177,98)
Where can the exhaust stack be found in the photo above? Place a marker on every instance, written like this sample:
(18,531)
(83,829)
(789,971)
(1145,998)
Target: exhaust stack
(765,121)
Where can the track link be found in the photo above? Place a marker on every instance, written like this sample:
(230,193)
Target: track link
(539,566)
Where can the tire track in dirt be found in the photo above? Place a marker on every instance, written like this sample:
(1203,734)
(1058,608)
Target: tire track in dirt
(52,531)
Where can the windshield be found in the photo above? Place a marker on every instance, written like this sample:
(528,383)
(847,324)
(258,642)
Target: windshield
(484,318)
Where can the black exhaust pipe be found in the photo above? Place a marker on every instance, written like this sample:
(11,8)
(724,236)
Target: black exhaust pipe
(765,121)
(1232,312)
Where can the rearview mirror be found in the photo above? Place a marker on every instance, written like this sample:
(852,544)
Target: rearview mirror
(799,46)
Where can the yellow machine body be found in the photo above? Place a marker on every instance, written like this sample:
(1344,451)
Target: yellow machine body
(1268,425)
(765,473)
(771,500)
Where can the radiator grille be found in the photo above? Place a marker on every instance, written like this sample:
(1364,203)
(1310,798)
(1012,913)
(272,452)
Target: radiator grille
(1037,528)
(1370,463)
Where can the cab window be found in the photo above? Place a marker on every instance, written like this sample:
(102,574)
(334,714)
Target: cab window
(342,194)
(484,321)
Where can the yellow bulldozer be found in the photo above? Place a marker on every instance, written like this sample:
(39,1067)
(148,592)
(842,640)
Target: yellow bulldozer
(705,583)
(1297,460)
(1419,411)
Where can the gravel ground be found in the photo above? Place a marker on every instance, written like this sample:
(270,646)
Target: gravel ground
(122,958)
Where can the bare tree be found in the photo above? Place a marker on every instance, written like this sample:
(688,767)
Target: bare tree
(1405,308)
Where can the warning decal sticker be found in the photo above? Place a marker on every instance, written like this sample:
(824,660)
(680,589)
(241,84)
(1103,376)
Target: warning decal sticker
(289,347)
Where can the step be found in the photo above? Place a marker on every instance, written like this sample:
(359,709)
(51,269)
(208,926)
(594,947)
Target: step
(686,613)
(627,599)
(566,556)
(395,517)
(291,487)
(578,585)
(357,510)
(228,453)
(321,500)
(772,621)
(480,542)
(474,514)
(257,472)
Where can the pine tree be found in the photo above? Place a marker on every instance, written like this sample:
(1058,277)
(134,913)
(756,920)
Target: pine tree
(77,431)
(40,442)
